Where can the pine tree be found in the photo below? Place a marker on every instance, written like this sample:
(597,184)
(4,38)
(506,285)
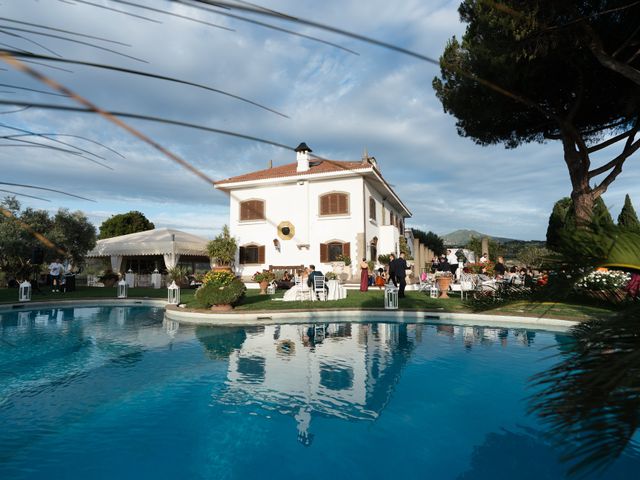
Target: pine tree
(628,220)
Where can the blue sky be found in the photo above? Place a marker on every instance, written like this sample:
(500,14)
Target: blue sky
(338,103)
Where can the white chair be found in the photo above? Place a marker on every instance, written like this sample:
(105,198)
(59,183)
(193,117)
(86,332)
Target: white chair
(467,284)
(319,291)
(303,292)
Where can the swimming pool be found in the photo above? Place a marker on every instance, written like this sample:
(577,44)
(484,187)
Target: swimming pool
(119,392)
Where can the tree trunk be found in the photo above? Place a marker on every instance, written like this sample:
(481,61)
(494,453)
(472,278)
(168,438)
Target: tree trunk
(581,192)
(582,207)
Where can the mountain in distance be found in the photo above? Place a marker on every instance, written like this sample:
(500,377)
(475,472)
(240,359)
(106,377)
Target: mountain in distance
(462,237)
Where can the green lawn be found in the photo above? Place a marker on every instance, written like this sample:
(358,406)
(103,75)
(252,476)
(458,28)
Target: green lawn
(10,295)
(373,299)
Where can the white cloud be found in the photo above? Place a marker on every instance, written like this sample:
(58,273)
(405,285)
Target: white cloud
(339,103)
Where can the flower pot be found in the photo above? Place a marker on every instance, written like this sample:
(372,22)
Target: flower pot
(221,308)
(614,295)
(263,287)
(222,268)
(443,286)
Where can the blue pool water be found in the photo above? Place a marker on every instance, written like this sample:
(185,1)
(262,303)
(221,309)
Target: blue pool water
(120,393)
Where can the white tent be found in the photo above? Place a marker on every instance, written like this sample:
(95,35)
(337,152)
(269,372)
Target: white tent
(169,243)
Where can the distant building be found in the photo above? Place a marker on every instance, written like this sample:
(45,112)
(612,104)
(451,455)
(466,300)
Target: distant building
(313,211)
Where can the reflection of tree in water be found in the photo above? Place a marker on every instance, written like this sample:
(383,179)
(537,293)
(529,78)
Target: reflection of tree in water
(525,456)
(219,342)
(591,398)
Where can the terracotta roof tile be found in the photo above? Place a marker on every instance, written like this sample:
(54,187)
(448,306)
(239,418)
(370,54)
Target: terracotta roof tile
(289,170)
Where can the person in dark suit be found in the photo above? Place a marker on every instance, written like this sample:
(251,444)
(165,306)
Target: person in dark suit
(401,274)
(392,269)
(313,273)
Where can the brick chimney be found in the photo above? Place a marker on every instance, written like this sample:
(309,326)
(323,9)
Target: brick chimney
(302,156)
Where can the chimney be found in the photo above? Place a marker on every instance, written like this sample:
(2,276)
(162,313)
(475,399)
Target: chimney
(302,156)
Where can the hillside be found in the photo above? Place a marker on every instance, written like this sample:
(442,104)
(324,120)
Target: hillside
(461,237)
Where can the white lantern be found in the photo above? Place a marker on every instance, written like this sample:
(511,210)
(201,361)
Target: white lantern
(173,294)
(24,294)
(156,279)
(433,291)
(390,297)
(122,289)
(130,278)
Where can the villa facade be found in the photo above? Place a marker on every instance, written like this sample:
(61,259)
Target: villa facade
(313,211)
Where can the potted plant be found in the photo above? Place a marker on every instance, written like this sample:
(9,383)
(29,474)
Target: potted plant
(179,275)
(331,276)
(346,259)
(223,249)
(220,290)
(443,279)
(607,285)
(108,278)
(264,278)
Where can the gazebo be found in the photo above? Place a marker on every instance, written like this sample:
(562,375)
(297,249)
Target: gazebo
(172,246)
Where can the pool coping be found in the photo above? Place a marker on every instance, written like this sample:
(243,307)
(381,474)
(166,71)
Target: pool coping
(188,316)
(185,316)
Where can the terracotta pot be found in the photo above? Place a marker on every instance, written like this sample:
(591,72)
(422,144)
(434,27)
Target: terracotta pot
(616,295)
(222,269)
(443,286)
(221,308)
(263,287)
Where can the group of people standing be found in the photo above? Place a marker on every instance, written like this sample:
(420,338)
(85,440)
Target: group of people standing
(396,274)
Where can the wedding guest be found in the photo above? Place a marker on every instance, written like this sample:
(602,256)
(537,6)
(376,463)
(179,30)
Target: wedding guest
(364,275)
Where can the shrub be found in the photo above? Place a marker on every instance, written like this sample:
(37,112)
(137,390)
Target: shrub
(220,291)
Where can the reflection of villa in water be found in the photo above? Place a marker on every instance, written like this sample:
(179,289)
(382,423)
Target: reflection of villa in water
(337,370)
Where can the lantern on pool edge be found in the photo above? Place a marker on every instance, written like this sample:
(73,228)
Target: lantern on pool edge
(122,289)
(391,297)
(173,294)
(24,294)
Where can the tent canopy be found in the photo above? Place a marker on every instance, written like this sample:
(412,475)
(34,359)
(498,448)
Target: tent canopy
(161,241)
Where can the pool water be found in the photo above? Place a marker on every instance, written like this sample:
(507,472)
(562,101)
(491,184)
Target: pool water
(119,392)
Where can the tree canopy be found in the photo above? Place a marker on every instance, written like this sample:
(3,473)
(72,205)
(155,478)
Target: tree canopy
(562,220)
(525,71)
(628,219)
(66,235)
(431,240)
(125,223)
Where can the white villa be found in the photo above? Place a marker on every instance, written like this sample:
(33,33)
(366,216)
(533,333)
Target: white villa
(313,211)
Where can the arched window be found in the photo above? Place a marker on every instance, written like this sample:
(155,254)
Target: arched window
(252,210)
(372,208)
(252,255)
(373,248)
(334,203)
(334,251)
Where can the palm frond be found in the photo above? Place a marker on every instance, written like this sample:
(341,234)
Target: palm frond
(590,400)
(27,56)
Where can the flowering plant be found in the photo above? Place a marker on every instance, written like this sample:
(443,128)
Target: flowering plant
(218,279)
(331,276)
(264,276)
(219,288)
(486,268)
(603,280)
(443,274)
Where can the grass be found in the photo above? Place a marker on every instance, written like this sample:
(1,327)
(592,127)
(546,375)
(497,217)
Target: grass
(373,299)
(10,295)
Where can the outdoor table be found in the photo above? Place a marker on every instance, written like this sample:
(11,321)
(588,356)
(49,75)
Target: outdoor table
(335,290)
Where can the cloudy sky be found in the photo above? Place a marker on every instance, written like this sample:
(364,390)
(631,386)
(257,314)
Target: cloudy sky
(337,102)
